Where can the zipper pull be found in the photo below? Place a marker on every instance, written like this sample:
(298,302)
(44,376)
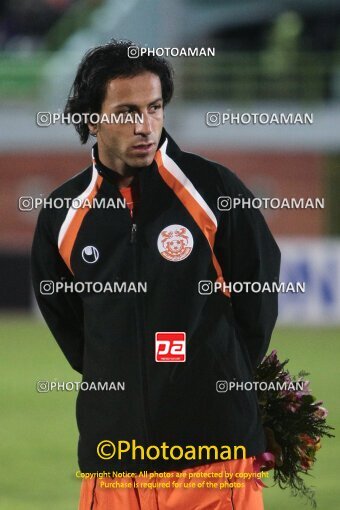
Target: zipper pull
(133,233)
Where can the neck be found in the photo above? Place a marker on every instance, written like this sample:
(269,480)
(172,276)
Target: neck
(123,173)
(124,182)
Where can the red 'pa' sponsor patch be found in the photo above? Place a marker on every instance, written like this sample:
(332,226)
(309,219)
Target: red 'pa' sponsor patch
(170,346)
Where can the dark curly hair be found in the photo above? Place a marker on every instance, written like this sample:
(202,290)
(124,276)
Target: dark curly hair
(104,63)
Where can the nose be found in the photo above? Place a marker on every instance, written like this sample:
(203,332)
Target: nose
(144,128)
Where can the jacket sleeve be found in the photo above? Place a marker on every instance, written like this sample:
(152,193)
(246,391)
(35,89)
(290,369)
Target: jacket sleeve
(62,311)
(249,253)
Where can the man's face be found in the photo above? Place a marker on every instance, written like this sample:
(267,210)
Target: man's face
(123,145)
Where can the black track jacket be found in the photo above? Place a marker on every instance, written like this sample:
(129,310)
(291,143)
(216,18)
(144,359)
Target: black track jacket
(178,238)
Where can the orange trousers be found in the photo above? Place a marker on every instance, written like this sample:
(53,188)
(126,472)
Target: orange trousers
(188,489)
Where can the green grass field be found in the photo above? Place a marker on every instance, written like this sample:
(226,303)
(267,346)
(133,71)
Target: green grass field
(39,434)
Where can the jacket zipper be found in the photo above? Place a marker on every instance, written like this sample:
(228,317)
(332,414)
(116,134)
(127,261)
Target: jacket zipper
(133,236)
(139,334)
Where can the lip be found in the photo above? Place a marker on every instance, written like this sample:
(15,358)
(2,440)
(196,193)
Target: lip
(143,148)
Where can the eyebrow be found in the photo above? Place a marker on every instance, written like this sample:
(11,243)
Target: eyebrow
(130,105)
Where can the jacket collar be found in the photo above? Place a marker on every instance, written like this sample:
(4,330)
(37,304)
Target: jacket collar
(165,142)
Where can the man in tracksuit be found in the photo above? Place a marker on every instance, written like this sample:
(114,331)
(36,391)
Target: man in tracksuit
(172,343)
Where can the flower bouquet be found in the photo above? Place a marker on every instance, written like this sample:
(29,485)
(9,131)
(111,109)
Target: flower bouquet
(294,423)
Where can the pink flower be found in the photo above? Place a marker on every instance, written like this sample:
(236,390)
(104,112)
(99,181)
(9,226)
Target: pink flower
(293,406)
(272,358)
(305,390)
(321,412)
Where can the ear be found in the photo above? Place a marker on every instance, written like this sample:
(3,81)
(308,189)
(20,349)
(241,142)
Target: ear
(93,128)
